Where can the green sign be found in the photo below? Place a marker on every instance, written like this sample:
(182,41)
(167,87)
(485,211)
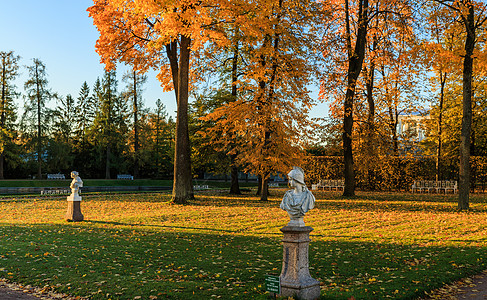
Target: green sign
(273,284)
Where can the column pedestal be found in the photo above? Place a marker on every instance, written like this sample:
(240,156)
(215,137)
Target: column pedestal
(295,278)
(73,213)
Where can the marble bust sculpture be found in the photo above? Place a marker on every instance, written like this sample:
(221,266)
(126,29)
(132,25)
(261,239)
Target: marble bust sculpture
(299,200)
(76,183)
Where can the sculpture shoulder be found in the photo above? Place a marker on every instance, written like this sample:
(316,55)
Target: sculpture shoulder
(288,194)
(309,195)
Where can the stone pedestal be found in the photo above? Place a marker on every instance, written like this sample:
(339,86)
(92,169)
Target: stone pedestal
(74,209)
(295,278)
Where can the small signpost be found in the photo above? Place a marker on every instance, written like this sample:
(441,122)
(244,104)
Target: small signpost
(273,284)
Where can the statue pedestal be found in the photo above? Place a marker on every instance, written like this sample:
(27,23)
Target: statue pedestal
(295,278)
(74,209)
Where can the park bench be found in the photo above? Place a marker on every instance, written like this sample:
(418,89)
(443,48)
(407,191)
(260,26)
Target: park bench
(330,184)
(56,176)
(200,187)
(434,186)
(125,177)
(273,184)
(55,191)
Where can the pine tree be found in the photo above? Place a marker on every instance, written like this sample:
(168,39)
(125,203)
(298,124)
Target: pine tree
(85,112)
(133,93)
(36,115)
(8,72)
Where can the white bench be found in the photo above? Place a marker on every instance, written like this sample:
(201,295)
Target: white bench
(125,177)
(434,186)
(56,176)
(201,187)
(330,184)
(273,184)
(55,192)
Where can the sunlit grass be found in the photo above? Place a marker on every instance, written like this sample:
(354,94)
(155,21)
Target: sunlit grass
(376,245)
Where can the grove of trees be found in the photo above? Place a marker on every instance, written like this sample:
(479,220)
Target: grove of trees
(251,67)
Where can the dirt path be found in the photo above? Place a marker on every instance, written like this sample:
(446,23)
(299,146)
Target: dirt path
(472,288)
(13,291)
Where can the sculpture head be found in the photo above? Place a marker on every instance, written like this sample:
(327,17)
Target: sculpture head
(297,175)
(74,174)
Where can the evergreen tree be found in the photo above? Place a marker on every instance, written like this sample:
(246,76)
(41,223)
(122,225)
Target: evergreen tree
(133,93)
(107,97)
(85,112)
(59,148)
(8,72)
(162,142)
(36,117)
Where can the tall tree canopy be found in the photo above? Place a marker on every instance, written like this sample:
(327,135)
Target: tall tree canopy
(163,35)
(353,26)
(471,16)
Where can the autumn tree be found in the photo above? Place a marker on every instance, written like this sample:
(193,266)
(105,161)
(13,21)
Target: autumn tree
(353,26)
(8,72)
(472,16)
(149,34)
(228,67)
(269,114)
(35,113)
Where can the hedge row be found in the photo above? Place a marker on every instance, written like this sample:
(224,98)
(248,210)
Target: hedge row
(392,172)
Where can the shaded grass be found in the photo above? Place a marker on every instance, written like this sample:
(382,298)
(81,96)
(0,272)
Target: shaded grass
(377,245)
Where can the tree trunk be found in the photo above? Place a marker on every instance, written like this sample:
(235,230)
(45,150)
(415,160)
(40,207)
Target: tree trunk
(355,58)
(439,125)
(265,188)
(2,159)
(136,129)
(172,55)
(39,148)
(370,126)
(183,182)
(234,187)
(107,162)
(3,112)
(393,116)
(108,126)
(259,185)
(464,172)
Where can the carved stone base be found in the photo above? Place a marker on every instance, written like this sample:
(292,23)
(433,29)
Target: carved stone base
(74,212)
(295,278)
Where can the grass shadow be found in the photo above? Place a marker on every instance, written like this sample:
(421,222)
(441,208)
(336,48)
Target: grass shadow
(102,263)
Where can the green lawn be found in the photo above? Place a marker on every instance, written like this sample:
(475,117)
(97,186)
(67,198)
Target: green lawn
(87,182)
(115,182)
(376,246)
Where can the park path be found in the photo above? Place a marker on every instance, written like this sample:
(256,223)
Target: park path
(472,288)
(12,291)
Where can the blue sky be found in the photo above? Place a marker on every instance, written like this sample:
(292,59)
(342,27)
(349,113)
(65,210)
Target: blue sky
(60,34)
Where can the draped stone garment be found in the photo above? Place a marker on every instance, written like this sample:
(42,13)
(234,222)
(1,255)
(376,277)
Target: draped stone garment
(298,204)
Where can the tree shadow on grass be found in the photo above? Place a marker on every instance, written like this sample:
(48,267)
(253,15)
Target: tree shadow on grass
(185,265)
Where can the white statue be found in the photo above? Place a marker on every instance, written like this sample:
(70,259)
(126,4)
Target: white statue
(298,201)
(76,183)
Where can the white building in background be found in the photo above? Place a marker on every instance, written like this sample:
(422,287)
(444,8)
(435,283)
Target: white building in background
(412,125)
